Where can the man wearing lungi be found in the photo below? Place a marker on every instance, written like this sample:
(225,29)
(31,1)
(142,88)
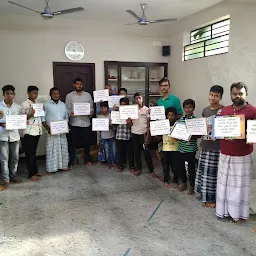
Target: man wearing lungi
(235,163)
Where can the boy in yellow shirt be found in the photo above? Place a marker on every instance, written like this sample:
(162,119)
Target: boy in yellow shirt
(170,151)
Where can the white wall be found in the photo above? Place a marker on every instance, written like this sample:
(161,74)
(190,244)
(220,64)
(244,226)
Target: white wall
(193,78)
(29,46)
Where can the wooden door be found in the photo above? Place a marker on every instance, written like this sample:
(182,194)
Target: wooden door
(64,74)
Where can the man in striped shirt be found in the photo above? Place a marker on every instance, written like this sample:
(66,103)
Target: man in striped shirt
(188,151)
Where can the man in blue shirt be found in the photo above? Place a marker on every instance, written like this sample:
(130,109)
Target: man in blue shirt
(168,100)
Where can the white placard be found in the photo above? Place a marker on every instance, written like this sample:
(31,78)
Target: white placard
(14,122)
(59,127)
(157,113)
(101,95)
(160,127)
(114,100)
(81,109)
(196,126)
(115,118)
(39,109)
(100,124)
(129,111)
(227,127)
(251,131)
(180,132)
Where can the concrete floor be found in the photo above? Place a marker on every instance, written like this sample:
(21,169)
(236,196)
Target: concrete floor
(96,212)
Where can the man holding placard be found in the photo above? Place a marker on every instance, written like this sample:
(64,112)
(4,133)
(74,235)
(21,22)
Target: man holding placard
(57,157)
(33,132)
(235,163)
(79,124)
(9,139)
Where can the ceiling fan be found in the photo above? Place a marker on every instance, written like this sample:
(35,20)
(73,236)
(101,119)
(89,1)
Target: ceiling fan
(143,20)
(47,13)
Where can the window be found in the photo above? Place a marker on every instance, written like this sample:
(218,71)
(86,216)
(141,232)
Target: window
(207,41)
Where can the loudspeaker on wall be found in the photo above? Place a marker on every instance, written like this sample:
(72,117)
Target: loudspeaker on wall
(166,50)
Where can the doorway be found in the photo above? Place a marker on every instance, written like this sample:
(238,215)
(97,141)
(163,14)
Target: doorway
(64,74)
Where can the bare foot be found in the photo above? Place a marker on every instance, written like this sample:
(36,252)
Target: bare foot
(4,187)
(166,185)
(109,166)
(211,205)
(47,174)
(40,174)
(138,173)
(182,187)
(89,163)
(176,186)
(161,179)
(133,170)
(240,221)
(154,175)
(254,230)
(204,204)
(115,166)
(34,178)
(191,191)
(16,181)
(68,170)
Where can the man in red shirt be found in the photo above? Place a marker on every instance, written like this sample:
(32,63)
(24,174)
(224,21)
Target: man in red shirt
(235,163)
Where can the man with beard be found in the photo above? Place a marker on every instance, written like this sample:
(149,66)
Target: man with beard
(235,163)
(79,125)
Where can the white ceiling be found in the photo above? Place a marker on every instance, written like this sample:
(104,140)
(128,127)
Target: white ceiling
(114,10)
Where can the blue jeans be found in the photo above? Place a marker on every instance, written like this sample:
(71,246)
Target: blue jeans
(9,158)
(110,150)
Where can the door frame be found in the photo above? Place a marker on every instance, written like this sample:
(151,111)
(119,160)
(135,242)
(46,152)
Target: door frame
(75,64)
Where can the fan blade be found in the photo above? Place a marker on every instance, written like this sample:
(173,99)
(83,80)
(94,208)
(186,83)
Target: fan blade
(10,2)
(133,14)
(162,20)
(67,11)
(131,23)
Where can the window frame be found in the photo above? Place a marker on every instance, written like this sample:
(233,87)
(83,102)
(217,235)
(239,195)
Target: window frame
(204,41)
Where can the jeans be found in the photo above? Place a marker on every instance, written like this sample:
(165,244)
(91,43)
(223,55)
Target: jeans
(30,145)
(125,146)
(9,158)
(137,141)
(190,158)
(110,150)
(170,158)
(82,134)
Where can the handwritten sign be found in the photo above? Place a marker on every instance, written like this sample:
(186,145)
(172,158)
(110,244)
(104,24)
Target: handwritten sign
(101,95)
(157,113)
(229,127)
(81,109)
(180,132)
(115,118)
(39,109)
(129,111)
(100,124)
(251,131)
(59,127)
(114,100)
(160,127)
(14,122)
(196,126)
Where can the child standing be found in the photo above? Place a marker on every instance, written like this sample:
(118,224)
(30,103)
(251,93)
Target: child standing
(206,175)
(9,139)
(188,151)
(124,142)
(140,134)
(108,137)
(170,151)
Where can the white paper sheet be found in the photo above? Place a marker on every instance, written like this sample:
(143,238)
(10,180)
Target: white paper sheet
(115,118)
(14,122)
(180,132)
(114,100)
(39,109)
(196,126)
(100,124)
(251,131)
(129,111)
(59,127)
(81,109)
(157,113)
(160,127)
(227,127)
(101,95)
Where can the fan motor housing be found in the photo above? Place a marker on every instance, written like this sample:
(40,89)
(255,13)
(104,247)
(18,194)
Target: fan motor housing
(47,15)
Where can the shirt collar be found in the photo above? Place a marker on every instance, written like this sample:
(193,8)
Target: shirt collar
(6,105)
(54,102)
(74,92)
(30,101)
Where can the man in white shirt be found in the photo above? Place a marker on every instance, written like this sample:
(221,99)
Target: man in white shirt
(79,125)
(9,139)
(32,133)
